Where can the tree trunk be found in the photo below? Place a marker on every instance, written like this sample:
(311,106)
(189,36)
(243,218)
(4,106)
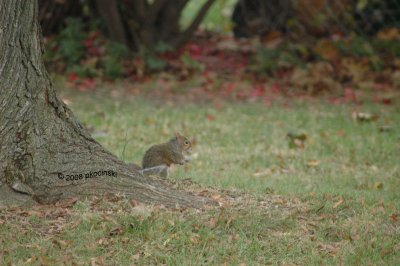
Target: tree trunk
(108,10)
(52,14)
(158,22)
(42,143)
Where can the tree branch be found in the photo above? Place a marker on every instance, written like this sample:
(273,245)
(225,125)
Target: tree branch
(155,9)
(184,36)
(139,8)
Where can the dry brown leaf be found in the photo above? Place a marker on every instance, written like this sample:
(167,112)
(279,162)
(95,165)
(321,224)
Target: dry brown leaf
(99,261)
(358,70)
(108,218)
(31,260)
(115,231)
(327,50)
(386,251)
(136,256)
(266,172)
(396,78)
(272,39)
(195,239)
(67,203)
(61,244)
(394,217)
(330,248)
(125,240)
(378,185)
(220,199)
(313,163)
(363,117)
(389,34)
(134,202)
(337,204)
(228,222)
(212,223)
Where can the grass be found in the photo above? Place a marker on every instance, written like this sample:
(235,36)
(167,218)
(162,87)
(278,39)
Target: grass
(335,201)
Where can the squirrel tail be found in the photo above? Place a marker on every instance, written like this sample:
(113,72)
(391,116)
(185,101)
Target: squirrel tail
(160,170)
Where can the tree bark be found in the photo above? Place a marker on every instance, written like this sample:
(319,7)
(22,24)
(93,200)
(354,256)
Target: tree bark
(158,22)
(108,10)
(52,14)
(42,143)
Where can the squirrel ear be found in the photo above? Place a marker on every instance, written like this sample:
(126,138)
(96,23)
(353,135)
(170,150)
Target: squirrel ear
(177,135)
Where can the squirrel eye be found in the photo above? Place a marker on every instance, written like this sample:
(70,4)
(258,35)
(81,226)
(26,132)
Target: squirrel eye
(186,142)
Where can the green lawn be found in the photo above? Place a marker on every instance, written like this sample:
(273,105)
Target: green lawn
(335,201)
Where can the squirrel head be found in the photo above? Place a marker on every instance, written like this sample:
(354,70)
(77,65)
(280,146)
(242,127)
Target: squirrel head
(183,142)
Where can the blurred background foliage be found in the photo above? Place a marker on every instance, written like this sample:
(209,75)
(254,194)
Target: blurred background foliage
(131,38)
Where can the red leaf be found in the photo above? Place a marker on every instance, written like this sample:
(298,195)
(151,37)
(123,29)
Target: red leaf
(349,95)
(194,50)
(227,89)
(86,84)
(276,88)
(258,91)
(72,77)
(94,51)
(210,117)
(89,83)
(88,43)
(387,101)
(241,95)
(335,100)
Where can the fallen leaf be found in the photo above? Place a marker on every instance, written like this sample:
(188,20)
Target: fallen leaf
(30,260)
(358,70)
(67,203)
(195,239)
(330,248)
(363,117)
(134,202)
(99,261)
(212,223)
(210,117)
(297,140)
(389,34)
(313,163)
(115,231)
(61,244)
(228,223)
(385,128)
(387,101)
(72,77)
(394,217)
(386,251)
(125,240)
(350,95)
(266,172)
(326,49)
(337,204)
(378,185)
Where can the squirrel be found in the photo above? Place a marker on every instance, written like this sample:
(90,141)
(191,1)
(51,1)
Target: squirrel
(158,158)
